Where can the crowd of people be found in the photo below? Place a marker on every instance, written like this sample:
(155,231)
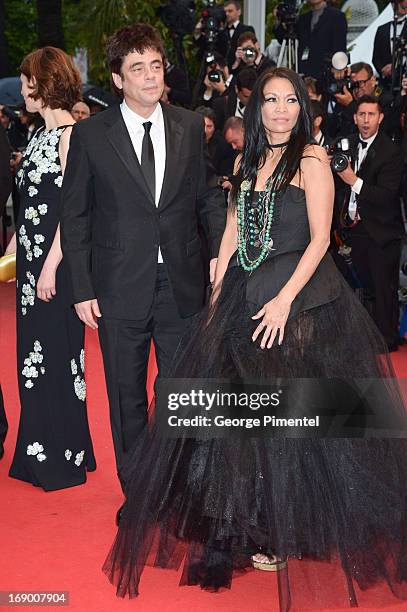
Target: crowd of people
(231,225)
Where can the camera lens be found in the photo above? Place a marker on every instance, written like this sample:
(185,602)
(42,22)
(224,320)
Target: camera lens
(339,162)
(215,76)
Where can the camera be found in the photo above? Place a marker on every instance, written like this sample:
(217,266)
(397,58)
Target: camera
(213,18)
(336,86)
(250,53)
(214,75)
(341,155)
(340,61)
(287,13)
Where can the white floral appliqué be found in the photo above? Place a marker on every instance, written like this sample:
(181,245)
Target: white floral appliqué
(36,449)
(79,458)
(79,381)
(28,292)
(30,370)
(68,454)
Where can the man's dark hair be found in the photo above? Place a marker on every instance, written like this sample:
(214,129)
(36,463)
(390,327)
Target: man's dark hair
(317,110)
(368,100)
(246,78)
(237,4)
(245,37)
(208,112)
(219,59)
(358,66)
(138,37)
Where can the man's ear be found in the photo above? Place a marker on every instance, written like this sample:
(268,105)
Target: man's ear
(117,80)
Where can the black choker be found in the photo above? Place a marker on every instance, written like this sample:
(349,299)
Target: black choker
(278,146)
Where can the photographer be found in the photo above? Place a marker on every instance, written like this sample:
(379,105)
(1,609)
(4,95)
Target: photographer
(221,154)
(233,103)
(248,54)
(216,81)
(176,86)
(362,82)
(383,42)
(318,117)
(320,32)
(368,215)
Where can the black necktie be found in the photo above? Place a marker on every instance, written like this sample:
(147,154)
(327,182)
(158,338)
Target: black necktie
(363,143)
(147,158)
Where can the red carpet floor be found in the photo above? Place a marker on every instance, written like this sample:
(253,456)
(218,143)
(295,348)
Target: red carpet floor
(57,541)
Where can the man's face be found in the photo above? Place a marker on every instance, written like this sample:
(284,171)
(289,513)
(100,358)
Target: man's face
(235,138)
(5,121)
(209,128)
(80,111)
(248,44)
(232,13)
(365,85)
(401,8)
(141,79)
(243,94)
(368,119)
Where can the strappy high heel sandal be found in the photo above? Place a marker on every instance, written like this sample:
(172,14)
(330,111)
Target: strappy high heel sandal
(268,563)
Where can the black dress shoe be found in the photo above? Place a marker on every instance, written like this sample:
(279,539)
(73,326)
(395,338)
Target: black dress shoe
(119,515)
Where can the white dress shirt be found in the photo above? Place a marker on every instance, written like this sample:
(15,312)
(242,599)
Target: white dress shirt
(232,29)
(358,184)
(135,128)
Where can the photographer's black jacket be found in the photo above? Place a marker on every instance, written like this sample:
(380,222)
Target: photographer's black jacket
(381,48)
(328,37)
(378,201)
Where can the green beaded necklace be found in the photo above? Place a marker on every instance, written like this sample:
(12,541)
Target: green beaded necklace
(245,223)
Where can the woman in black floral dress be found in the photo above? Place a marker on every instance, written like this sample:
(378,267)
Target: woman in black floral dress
(54,447)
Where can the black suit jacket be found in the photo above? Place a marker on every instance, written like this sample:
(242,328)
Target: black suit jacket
(328,37)
(225,106)
(111,228)
(381,48)
(378,201)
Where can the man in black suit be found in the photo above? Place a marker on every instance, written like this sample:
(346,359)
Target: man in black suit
(383,42)
(5,189)
(135,185)
(368,207)
(233,102)
(321,32)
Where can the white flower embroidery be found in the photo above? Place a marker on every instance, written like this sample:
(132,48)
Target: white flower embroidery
(30,371)
(42,154)
(32,191)
(36,450)
(80,388)
(28,293)
(38,238)
(37,251)
(68,454)
(58,181)
(43,208)
(79,383)
(24,311)
(79,458)
(74,367)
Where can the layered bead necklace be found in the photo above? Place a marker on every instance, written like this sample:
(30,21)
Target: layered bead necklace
(246,224)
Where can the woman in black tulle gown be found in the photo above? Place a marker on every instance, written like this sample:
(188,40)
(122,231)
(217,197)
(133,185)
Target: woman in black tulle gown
(334,508)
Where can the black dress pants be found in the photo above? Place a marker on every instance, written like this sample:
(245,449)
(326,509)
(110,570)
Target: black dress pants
(126,347)
(378,270)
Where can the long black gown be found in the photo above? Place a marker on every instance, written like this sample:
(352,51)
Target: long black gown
(335,507)
(54,448)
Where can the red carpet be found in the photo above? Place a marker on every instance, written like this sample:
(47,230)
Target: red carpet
(58,541)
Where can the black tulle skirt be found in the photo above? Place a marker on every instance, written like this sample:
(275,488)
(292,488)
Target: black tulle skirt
(336,508)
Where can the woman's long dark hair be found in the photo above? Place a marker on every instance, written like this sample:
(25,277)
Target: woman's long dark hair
(255,140)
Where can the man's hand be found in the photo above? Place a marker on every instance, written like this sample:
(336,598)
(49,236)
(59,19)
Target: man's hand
(220,87)
(88,312)
(348,176)
(386,70)
(208,84)
(212,269)
(345,98)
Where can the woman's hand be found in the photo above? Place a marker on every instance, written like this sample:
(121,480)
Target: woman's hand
(46,284)
(273,317)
